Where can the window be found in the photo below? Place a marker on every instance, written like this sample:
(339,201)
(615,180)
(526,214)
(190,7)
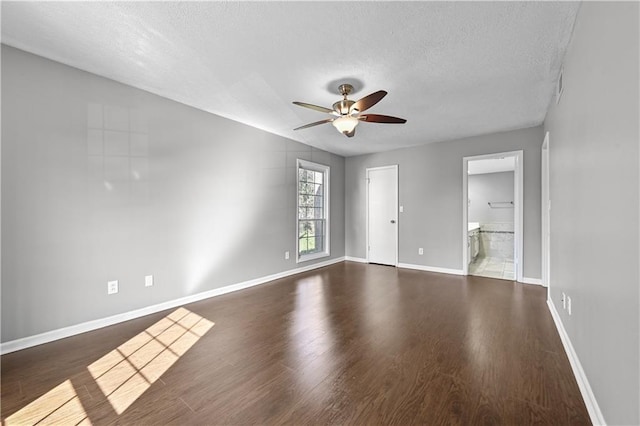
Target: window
(313,211)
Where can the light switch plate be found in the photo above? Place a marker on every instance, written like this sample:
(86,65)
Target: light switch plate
(148,280)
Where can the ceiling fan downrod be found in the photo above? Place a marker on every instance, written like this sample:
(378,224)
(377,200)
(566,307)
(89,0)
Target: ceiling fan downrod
(343,107)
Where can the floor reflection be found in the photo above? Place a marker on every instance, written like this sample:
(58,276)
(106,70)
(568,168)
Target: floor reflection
(311,332)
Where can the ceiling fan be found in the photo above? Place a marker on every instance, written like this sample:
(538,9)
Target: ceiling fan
(348,112)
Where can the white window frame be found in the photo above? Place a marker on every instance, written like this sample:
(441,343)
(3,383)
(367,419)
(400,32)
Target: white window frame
(308,165)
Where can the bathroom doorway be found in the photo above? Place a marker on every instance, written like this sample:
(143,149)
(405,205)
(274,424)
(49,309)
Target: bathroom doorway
(493,215)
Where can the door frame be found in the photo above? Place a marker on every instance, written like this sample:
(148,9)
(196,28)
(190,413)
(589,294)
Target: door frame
(518,189)
(546,214)
(394,167)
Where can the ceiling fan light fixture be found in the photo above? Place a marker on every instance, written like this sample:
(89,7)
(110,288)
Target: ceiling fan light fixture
(345,124)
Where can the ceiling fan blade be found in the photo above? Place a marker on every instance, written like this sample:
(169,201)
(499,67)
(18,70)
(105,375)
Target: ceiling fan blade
(328,120)
(315,107)
(377,118)
(368,101)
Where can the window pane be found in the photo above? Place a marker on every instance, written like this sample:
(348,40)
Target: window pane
(306,245)
(307,176)
(317,202)
(303,175)
(319,177)
(311,245)
(313,231)
(305,228)
(306,200)
(307,213)
(311,228)
(311,201)
(307,188)
(319,243)
(318,227)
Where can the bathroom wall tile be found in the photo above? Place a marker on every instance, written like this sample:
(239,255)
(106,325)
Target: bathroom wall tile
(497,240)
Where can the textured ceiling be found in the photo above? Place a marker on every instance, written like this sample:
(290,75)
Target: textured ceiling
(452,69)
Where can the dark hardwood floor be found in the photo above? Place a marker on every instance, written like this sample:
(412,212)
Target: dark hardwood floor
(346,344)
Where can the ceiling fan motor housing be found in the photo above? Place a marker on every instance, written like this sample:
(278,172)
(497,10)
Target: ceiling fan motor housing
(343,107)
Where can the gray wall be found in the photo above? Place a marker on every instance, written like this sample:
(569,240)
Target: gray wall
(430,180)
(594,203)
(490,187)
(101,181)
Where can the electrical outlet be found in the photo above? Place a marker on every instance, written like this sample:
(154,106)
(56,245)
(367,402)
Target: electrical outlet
(112,287)
(569,305)
(564,301)
(286,255)
(420,251)
(148,280)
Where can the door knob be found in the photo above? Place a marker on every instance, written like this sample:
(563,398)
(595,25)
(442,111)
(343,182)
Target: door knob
(393,221)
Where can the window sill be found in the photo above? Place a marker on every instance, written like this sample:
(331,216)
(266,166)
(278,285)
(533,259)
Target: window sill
(307,257)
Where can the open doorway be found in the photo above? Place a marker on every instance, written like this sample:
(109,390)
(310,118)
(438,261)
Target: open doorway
(493,215)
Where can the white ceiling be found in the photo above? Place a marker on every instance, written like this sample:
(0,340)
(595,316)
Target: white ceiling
(491,165)
(452,69)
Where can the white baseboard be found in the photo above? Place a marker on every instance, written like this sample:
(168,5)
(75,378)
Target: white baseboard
(61,333)
(355,259)
(536,281)
(431,269)
(583,383)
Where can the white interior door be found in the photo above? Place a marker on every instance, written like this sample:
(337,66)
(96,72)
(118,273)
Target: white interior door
(382,215)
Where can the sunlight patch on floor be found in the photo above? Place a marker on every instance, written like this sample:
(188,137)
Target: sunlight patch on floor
(60,405)
(123,374)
